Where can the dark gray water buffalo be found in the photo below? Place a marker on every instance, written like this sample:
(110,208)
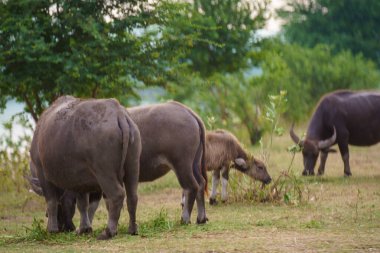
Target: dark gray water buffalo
(342,117)
(87,146)
(223,151)
(173,138)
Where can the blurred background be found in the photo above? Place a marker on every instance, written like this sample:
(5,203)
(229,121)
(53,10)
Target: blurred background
(222,58)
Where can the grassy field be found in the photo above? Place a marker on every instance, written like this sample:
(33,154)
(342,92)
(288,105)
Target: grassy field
(337,214)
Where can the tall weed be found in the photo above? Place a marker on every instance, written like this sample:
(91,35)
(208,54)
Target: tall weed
(14,154)
(287,188)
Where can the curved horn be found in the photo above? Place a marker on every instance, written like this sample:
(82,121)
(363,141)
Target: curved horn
(328,142)
(295,138)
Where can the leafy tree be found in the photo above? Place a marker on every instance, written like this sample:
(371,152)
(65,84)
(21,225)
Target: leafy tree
(214,84)
(308,73)
(226,34)
(84,48)
(346,25)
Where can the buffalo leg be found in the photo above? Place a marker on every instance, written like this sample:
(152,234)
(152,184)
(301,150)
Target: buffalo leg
(131,183)
(225,176)
(321,169)
(66,211)
(83,205)
(190,189)
(201,218)
(115,203)
(343,148)
(93,204)
(115,193)
(215,183)
(51,197)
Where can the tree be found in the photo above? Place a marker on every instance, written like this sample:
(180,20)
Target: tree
(309,73)
(227,33)
(83,48)
(346,25)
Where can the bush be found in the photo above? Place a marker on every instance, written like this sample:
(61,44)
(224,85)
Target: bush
(307,73)
(288,188)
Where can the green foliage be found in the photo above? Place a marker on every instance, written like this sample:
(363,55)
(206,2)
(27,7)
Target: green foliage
(314,224)
(84,48)
(229,99)
(14,155)
(276,107)
(37,232)
(160,223)
(345,25)
(213,84)
(229,35)
(307,74)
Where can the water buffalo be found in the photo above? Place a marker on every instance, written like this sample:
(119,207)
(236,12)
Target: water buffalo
(342,117)
(172,138)
(87,146)
(223,151)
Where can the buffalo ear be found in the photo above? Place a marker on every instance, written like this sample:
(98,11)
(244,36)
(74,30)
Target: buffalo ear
(241,163)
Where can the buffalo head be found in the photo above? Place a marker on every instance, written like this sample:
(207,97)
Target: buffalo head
(311,149)
(254,168)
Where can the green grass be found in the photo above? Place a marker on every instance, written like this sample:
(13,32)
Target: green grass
(337,214)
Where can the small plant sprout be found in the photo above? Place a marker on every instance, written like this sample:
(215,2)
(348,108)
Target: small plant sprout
(37,232)
(276,107)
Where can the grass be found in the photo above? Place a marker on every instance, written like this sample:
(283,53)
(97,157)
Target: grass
(337,215)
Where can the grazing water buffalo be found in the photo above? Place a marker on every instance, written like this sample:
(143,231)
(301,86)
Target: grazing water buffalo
(342,117)
(172,138)
(224,150)
(87,146)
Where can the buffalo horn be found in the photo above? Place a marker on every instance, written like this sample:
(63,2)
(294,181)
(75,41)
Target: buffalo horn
(328,142)
(295,138)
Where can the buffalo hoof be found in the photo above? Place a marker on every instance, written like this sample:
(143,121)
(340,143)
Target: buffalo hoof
(67,228)
(202,221)
(83,231)
(53,231)
(347,174)
(307,173)
(105,235)
(213,202)
(185,222)
(132,229)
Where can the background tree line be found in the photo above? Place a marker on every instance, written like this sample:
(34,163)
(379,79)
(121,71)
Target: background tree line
(207,54)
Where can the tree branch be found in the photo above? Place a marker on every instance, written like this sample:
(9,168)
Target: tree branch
(30,108)
(95,91)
